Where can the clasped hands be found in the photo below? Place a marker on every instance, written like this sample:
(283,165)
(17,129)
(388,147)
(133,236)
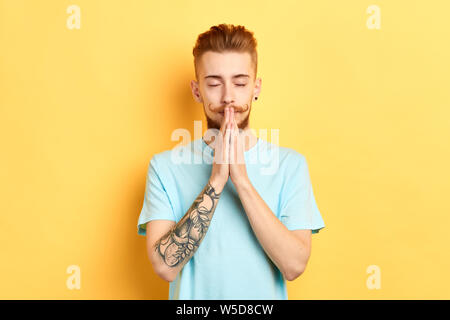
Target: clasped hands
(229,158)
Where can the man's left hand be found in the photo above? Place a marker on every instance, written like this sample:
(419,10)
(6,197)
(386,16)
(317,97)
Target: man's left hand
(238,169)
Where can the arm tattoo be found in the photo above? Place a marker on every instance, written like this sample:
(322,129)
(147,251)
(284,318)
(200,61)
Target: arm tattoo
(183,239)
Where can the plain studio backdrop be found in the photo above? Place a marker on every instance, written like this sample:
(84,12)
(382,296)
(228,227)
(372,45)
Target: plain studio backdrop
(90,90)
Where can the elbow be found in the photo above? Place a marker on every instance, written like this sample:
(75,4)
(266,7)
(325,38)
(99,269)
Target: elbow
(162,271)
(293,273)
(296,267)
(166,276)
(165,273)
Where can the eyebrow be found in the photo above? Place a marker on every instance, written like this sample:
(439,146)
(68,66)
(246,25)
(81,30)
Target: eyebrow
(214,76)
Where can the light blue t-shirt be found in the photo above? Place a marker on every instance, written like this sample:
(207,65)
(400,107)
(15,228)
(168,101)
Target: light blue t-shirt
(230,263)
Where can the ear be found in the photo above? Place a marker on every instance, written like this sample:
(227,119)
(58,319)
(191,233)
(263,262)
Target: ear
(257,89)
(196,91)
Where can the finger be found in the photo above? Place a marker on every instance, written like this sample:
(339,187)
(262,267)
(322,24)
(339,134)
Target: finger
(223,127)
(226,142)
(238,144)
(218,137)
(230,138)
(233,148)
(224,122)
(230,118)
(235,127)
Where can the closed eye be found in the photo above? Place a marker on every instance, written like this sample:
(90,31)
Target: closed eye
(216,85)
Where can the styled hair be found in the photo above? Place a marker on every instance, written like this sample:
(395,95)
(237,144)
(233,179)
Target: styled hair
(225,37)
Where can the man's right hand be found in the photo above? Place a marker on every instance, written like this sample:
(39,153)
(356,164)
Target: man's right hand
(220,168)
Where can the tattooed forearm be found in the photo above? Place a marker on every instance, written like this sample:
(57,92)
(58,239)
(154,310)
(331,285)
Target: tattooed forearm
(178,245)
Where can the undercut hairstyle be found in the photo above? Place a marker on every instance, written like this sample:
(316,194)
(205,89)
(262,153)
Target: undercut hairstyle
(226,37)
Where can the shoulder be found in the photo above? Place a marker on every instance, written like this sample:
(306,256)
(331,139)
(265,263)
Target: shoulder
(288,157)
(170,158)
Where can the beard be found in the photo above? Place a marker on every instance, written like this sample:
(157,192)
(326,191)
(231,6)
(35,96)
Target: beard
(213,124)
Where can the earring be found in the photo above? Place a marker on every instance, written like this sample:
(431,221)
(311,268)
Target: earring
(256,98)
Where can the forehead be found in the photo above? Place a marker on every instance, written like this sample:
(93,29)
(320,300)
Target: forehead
(225,64)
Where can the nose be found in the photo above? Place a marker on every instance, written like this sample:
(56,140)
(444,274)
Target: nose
(227,97)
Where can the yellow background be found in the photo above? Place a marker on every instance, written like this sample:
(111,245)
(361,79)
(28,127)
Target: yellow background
(82,112)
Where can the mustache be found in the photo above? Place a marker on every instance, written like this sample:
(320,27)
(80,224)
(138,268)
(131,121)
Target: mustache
(242,108)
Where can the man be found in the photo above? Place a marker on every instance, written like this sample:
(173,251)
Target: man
(224,228)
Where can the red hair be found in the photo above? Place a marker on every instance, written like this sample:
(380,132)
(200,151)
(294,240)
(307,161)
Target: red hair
(226,37)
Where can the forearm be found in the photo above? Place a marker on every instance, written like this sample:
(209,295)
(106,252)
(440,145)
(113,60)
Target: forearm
(180,243)
(286,251)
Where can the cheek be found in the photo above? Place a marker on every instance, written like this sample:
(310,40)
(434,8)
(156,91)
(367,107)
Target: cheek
(211,93)
(212,100)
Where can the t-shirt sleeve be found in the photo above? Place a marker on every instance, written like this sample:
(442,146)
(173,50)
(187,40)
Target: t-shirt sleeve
(298,205)
(157,205)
